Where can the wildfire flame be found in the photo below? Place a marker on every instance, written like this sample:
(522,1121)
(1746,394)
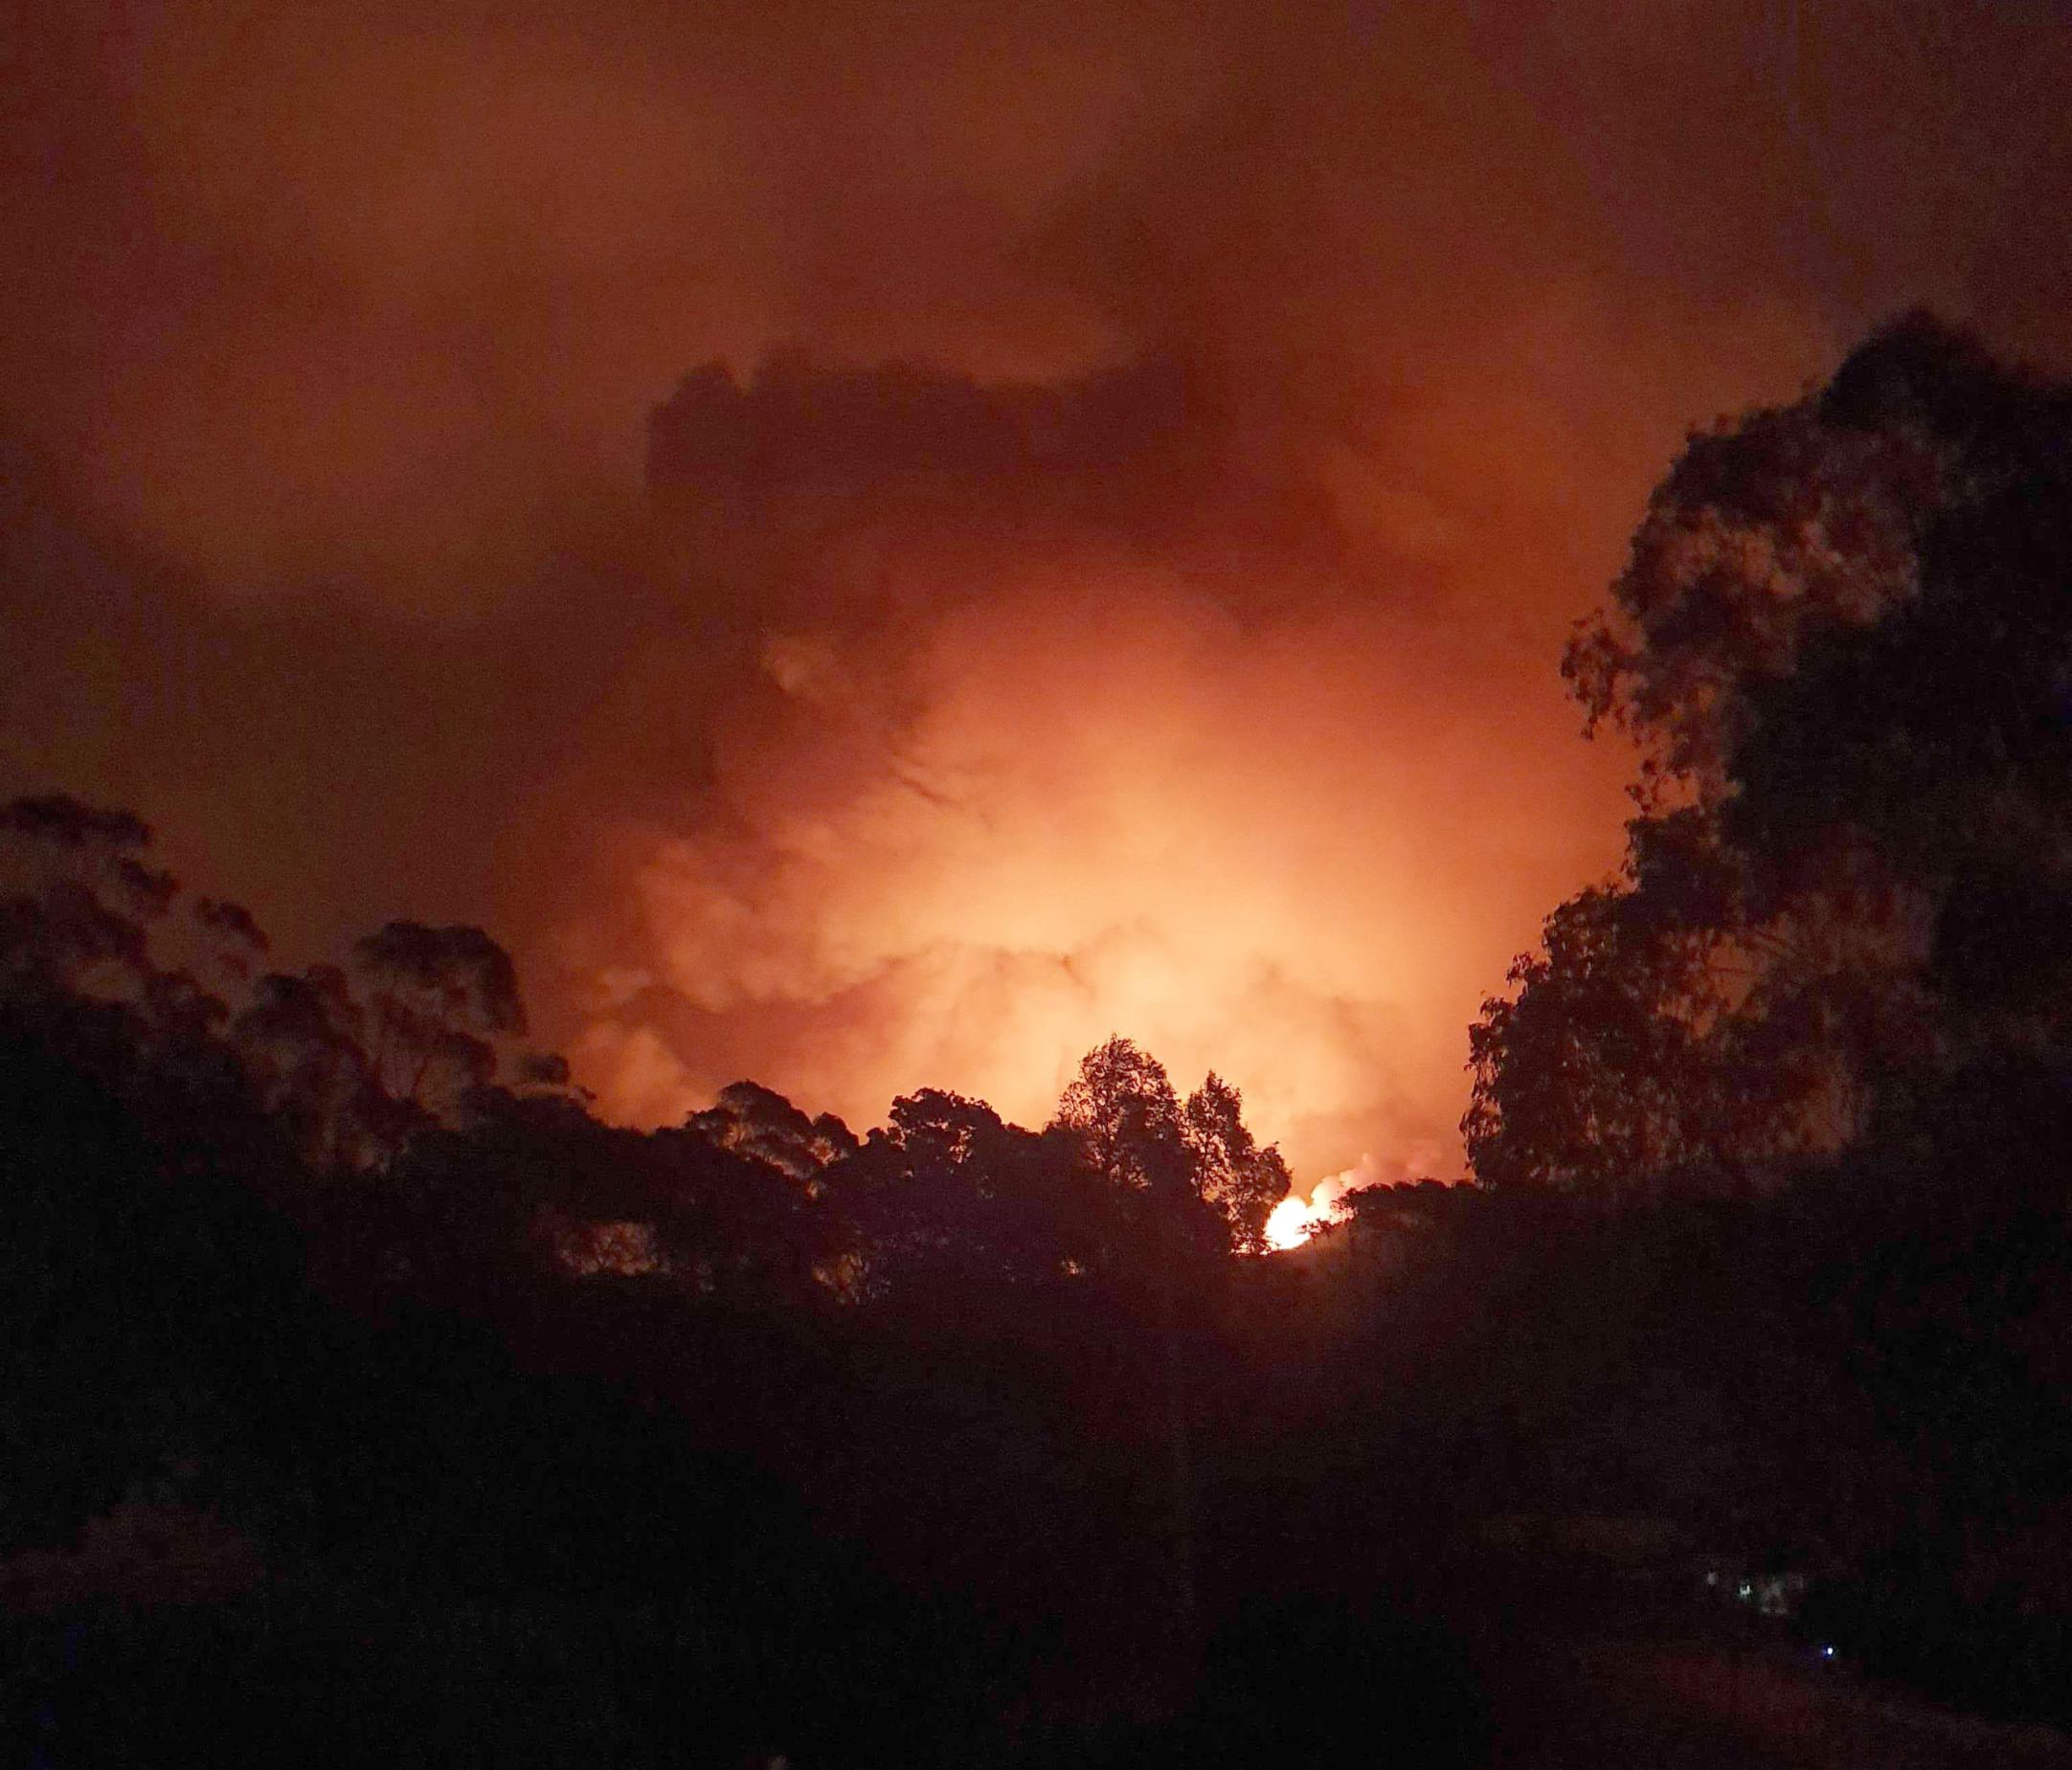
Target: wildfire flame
(1293,1223)
(1294,1218)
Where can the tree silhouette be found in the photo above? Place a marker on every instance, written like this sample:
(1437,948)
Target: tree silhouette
(438,998)
(761,1123)
(1122,1109)
(1237,1178)
(1843,647)
(80,898)
(1595,1076)
(1193,1185)
(950,1211)
(302,1040)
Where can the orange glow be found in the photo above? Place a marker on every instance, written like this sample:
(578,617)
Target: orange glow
(1081,831)
(1228,720)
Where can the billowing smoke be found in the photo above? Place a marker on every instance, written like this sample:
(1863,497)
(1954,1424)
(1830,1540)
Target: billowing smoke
(1078,707)
(1109,576)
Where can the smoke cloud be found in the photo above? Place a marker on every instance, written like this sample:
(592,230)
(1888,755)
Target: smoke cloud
(879,549)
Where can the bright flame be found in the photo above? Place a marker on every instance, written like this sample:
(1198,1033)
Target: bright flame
(1293,1223)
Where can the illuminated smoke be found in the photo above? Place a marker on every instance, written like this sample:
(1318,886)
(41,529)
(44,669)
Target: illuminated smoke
(1069,718)
(1174,658)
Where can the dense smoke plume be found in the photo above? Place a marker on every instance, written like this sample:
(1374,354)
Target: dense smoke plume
(1109,573)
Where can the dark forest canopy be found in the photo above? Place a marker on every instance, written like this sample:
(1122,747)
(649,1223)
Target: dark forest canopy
(403,1082)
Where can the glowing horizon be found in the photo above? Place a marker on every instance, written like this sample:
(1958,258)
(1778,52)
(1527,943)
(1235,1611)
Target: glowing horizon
(1101,564)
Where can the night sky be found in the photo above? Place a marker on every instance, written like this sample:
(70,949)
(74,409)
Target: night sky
(877,546)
